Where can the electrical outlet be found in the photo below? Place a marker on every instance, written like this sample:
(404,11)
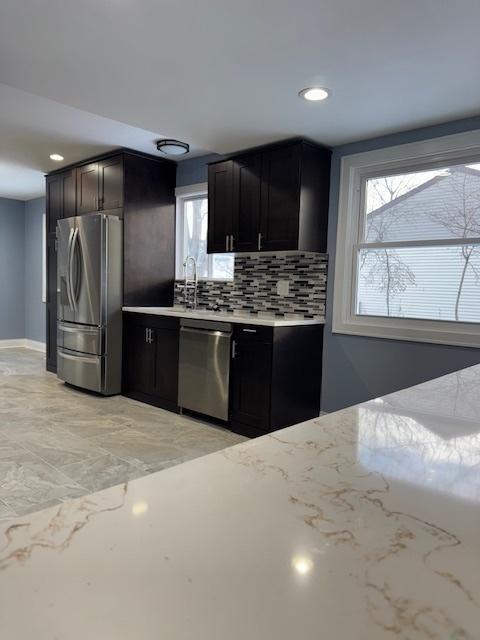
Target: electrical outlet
(283,287)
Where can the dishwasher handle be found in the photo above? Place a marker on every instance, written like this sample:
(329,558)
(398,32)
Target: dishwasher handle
(208,332)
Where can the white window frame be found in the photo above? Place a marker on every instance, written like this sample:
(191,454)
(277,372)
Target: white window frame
(199,190)
(355,169)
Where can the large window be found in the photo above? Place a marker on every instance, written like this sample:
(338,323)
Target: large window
(191,233)
(408,250)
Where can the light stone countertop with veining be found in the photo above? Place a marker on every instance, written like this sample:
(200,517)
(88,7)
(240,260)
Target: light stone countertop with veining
(360,525)
(261,318)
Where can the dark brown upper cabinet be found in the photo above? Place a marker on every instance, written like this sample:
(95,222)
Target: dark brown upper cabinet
(87,188)
(110,183)
(60,192)
(100,185)
(246,203)
(280,199)
(272,199)
(220,201)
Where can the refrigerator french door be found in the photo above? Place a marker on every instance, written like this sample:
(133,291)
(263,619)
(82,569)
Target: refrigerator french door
(89,289)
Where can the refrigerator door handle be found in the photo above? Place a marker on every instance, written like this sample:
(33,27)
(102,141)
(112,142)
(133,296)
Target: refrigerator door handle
(69,278)
(71,255)
(77,328)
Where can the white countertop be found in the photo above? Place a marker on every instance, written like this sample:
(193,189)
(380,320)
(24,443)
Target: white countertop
(360,525)
(237,317)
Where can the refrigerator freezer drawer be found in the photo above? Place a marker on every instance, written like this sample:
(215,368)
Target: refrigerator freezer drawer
(77,337)
(81,370)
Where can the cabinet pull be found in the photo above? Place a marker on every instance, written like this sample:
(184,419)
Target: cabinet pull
(249,330)
(146,336)
(234,349)
(259,241)
(231,243)
(226,243)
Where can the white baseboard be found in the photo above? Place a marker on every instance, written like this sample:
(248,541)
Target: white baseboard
(23,343)
(35,345)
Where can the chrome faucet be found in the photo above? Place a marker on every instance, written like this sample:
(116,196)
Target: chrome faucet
(190,284)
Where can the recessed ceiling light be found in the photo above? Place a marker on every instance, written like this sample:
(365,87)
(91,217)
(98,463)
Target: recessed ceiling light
(314,93)
(173,147)
(57,157)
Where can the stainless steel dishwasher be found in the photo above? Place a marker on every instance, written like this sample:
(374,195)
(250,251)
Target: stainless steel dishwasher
(204,367)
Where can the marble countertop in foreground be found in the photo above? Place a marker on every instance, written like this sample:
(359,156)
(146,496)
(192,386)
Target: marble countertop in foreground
(360,525)
(262,318)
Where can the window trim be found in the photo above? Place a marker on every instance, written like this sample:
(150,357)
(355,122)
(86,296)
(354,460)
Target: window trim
(189,192)
(354,170)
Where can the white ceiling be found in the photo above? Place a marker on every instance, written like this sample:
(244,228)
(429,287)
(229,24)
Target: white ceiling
(31,128)
(224,74)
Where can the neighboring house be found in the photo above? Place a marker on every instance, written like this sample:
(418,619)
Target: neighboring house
(430,282)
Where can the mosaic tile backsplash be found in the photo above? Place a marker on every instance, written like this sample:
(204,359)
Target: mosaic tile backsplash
(254,287)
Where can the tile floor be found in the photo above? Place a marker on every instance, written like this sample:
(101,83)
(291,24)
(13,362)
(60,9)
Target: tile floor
(57,443)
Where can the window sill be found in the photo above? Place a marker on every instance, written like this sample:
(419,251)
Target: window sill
(427,331)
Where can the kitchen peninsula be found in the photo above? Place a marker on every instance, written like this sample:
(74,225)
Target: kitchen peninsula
(359,524)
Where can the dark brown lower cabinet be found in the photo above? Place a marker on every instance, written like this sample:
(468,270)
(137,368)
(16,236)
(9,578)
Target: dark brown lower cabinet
(276,377)
(150,359)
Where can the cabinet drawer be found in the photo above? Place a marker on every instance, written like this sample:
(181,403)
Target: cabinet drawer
(151,321)
(253,333)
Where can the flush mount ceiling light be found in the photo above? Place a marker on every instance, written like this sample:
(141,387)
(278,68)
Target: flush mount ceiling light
(314,94)
(56,156)
(173,147)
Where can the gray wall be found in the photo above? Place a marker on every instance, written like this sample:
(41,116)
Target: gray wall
(356,369)
(195,170)
(34,307)
(22,312)
(12,231)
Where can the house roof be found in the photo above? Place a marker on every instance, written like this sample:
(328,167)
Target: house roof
(422,187)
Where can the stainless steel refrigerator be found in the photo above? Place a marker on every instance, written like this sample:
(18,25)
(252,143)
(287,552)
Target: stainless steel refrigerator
(89,290)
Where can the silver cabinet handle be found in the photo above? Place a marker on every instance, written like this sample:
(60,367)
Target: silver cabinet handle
(226,243)
(259,241)
(249,330)
(234,349)
(146,336)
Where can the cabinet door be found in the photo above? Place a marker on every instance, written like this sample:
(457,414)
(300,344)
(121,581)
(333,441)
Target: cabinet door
(110,176)
(54,186)
(166,369)
(138,360)
(220,201)
(246,203)
(87,188)
(68,194)
(280,204)
(51,304)
(251,383)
